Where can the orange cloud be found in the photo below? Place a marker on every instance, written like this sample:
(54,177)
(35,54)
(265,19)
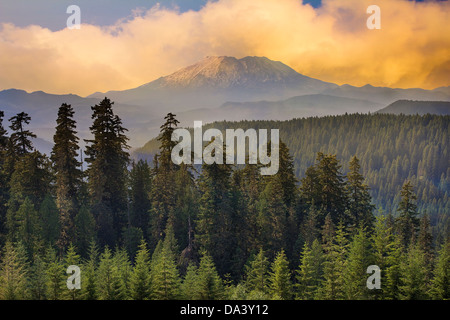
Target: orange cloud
(331,43)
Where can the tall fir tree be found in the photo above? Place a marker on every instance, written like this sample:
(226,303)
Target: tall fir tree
(310,271)
(68,175)
(20,137)
(13,274)
(360,205)
(257,273)
(209,283)
(163,184)
(413,275)
(359,258)
(407,222)
(332,286)
(280,284)
(440,283)
(108,158)
(140,280)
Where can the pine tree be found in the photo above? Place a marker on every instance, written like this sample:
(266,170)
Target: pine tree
(382,240)
(407,221)
(333,198)
(359,258)
(359,206)
(440,283)
(425,241)
(310,271)
(140,280)
(122,261)
(72,258)
(163,184)
(56,276)
(273,217)
(67,172)
(214,225)
(38,278)
(108,278)
(413,276)
(280,284)
(190,289)
(89,290)
(334,265)
(257,273)
(21,138)
(13,275)
(108,158)
(394,259)
(165,278)
(210,286)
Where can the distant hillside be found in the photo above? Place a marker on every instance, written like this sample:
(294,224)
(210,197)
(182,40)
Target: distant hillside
(417,107)
(391,148)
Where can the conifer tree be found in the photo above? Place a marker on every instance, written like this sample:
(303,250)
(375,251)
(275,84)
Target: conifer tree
(280,284)
(56,276)
(273,217)
(190,289)
(67,172)
(359,199)
(108,278)
(407,222)
(89,286)
(72,258)
(21,138)
(391,290)
(214,225)
(257,273)
(163,184)
(108,158)
(140,280)
(38,278)
(122,261)
(334,265)
(413,275)
(13,275)
(310,271)
(440,283)
(359,258)
(165,278)
(382,241)
(210,286)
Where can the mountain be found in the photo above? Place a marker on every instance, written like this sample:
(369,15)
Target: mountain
(410,107)
(216,80)
(43,109)
(214,89)
(385,96)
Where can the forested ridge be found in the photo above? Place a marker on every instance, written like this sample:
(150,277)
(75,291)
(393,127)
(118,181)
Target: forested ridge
(158,230)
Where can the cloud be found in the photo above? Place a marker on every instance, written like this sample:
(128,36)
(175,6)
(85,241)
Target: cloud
(331,43)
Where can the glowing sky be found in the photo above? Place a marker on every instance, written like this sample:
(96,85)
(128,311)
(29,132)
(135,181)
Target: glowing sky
(114,52)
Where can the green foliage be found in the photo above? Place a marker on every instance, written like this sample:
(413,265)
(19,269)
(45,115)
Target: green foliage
(280,284)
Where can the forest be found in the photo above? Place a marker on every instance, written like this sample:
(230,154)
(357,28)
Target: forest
(161,231)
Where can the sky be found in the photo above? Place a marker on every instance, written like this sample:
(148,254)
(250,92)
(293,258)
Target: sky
(124,44)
